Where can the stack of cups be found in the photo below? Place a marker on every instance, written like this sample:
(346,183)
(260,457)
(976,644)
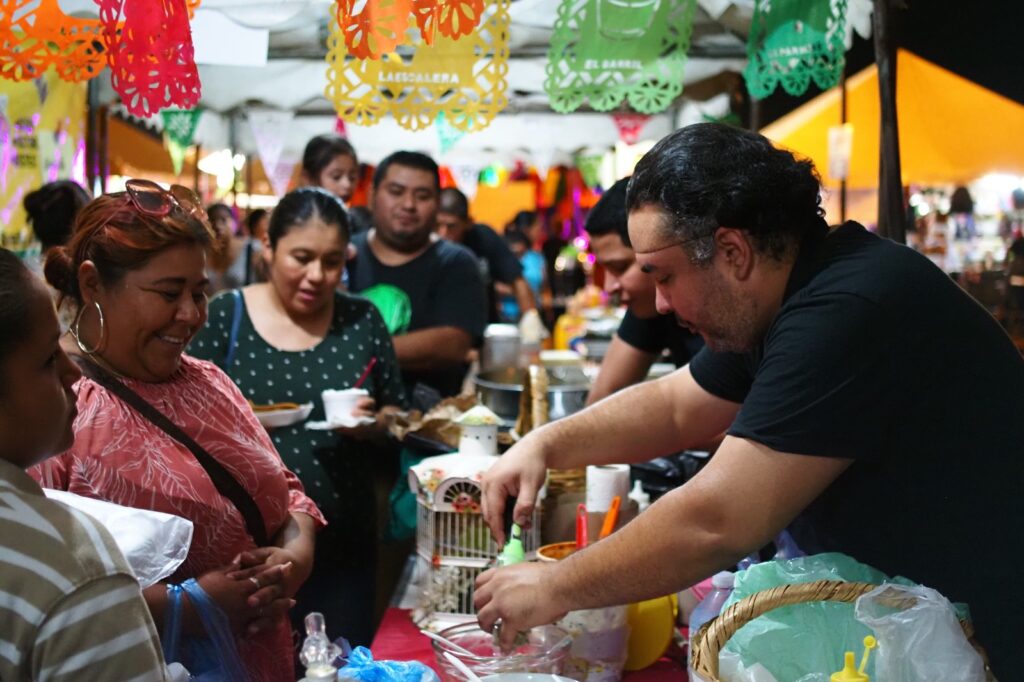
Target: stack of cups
(600,637)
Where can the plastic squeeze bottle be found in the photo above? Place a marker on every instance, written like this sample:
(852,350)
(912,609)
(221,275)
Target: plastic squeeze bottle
(709,607)
(851,674)
(318,652)
(513,552)
(637,494)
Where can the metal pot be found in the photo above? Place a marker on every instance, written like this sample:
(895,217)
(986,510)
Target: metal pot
(499,390)
(501,346)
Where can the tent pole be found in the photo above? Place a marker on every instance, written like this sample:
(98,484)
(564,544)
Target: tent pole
(890,190)
(92,164)
(842,121)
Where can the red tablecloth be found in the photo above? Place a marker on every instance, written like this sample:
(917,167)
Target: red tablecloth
(399,640)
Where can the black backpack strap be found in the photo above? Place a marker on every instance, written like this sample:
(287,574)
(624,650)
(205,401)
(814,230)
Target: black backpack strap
(225,483)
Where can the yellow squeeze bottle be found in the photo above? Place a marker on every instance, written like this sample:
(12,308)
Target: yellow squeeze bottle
(851,674)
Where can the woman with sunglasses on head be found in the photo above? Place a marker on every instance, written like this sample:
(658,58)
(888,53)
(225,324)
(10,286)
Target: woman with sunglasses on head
(60,564)
(294,337)
(160,430)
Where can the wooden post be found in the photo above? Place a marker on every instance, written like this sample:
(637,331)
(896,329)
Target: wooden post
(842,121)
(92,165)
(195,169)
(891,216)
(103,148)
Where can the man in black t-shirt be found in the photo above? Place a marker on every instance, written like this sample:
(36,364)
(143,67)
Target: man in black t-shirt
(429,289)
(498,265)
(867,401)
(644,333)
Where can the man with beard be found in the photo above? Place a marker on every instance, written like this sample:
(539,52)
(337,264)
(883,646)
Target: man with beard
(867,401)
(644,333)
(429,289)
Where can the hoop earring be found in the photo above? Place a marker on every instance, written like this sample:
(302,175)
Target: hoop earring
(78,338)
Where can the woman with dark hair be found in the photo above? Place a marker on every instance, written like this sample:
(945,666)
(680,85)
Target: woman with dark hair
(160,430)
(234,262)
(51,211)
(256,223)
(57,561)
(288,340)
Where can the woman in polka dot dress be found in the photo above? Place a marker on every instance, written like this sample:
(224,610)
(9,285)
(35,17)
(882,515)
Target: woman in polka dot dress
(297,336)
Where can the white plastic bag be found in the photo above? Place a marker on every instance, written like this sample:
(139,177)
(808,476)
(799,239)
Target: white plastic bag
(919,643)
(153,543)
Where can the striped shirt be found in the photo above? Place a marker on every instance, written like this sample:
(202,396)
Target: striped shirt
(70,608)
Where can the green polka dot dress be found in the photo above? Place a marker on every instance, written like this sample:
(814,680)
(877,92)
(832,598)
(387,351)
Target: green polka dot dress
(332,468)
(336,471)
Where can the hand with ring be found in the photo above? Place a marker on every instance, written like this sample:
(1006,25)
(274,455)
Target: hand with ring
(241,596)
(267,594)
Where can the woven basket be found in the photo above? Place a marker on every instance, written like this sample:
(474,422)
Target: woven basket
(708,642)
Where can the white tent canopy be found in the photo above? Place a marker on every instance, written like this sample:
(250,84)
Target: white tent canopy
(269,54)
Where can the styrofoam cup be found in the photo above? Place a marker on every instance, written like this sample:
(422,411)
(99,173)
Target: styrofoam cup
(338,405)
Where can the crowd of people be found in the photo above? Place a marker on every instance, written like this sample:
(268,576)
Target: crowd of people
(177,321)
(806,358)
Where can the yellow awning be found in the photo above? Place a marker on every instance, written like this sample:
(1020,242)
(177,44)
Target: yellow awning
(952,130)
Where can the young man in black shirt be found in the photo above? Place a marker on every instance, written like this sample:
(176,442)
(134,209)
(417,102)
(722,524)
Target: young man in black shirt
(644,333)
(498,265)
(867,400)
(438,300)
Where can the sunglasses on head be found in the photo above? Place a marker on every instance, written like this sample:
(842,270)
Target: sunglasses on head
(153,200)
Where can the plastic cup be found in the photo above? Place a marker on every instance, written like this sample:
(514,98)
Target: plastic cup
(339,404)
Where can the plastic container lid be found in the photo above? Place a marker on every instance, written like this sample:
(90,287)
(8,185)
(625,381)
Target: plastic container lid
(723,580)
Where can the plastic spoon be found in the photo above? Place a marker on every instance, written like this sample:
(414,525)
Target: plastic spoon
(610,518)
(581,526)
(462,667)
(447,642)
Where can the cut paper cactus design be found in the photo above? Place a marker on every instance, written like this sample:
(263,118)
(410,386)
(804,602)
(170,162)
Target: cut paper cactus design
(463,78)
(373,28)
(606,52)
(625,19)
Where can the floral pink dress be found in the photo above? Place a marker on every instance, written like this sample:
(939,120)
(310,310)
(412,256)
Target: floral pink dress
(122,457)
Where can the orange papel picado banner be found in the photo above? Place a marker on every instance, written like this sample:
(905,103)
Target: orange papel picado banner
(373,28)
(148,46)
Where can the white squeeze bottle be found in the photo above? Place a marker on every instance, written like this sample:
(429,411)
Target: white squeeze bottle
(708,608)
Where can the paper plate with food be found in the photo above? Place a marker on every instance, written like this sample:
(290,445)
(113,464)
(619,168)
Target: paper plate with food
(276,415)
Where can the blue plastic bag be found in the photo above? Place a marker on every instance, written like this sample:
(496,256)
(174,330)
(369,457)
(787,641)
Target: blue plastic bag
(213,658)
(361,666)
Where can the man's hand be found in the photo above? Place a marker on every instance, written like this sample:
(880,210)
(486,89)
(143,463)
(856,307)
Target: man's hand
(522,596)
(520,472)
